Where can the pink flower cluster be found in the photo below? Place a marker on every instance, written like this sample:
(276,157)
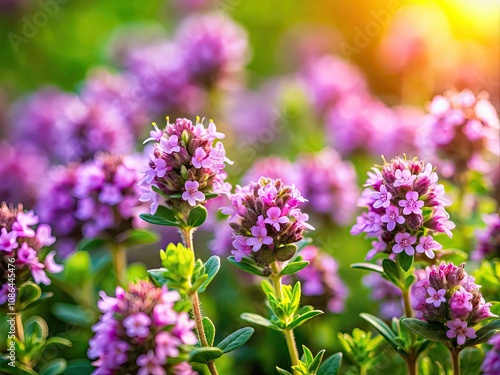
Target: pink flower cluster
(139,331)
(185,166)
(93,199)
(450,296)
(488,245)
(405,207)
(321,278)
(265,218)
(25,241)
(463,129)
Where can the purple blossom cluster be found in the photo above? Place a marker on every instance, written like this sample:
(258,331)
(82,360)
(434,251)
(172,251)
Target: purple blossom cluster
(141,332)
(488,245)
(463,128)
(330,185)
(491,363)
(266,220)
(321,278)
(25,241)
(450,296)
(99,198)
(186,166)
(67,128)
(173,75)
(406,207)
(386,294)
(22,167)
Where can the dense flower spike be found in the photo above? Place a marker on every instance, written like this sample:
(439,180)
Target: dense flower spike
(463,128)
(491,363)
(405,207)
(139,331)
(488,239)
(99,198)
(330,184)
(266,220)
(25,241)
(186,165)
(450,296)
(320,278)
(215,48)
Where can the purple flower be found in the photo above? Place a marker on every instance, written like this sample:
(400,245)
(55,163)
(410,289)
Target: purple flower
(427,245)
(491,363)
(460,303)
(382,198)
(404,241)
(186,164)
(8,241)
(250,205)
(436,296)
(132,330)
(404,178)
(192,195)
(157,134)
(411,204)
(392,217)
(458,328)
(488,245)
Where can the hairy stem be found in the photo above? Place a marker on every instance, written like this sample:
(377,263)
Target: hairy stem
(119,256)
(187,238)
(19,327)
(289,337)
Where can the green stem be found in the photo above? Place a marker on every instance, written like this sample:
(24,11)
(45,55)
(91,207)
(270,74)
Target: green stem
(362,370)
(120,263)
(187,238)
(19,327)
(455,358)
(406,301)
(289,337)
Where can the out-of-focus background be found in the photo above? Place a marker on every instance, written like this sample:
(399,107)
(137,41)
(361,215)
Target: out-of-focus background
(284,79)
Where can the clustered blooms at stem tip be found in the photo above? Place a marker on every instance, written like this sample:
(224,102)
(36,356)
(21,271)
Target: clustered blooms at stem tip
(185,167)
(266,220)
(96,198)
(450,296)
(140,332)
(23,239)
(405,207)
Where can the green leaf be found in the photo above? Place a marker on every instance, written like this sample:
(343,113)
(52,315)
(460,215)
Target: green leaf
(56,340)
(409,281)
(455,256)
(77,269)
(212,267)
(470,361)
(91,244)
(205,354)
(133,237)
(28,293)
(316,362)
(137,271)
(301,319)
(282,372)
(485,333)
(198,283)
(392,272)
(247,265)
(209,329)
(197,216)
(152,219)
(259,320)
(382,328)
(368,267)
(73,314)
(428,330)
(405,261)
(331,366)
(166,214)
(55,367)
(236,339)
(158,276)
(294,267)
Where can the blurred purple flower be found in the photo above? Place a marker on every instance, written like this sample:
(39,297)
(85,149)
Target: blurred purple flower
(488,245)
(491,362)
(274,167)
(386,294)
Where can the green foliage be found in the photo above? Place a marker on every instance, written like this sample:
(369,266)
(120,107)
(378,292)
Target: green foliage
(205,354)
(331,366)
(236,339)
(134,237)
(248,265)
(163,216)
(197,216)
(470,361)
(294,267)
(368,267)
(209,329)
(430,330)
(308,365)
(361,348)
(29,295)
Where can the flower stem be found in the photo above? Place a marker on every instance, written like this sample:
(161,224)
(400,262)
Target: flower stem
(412,366)
(119,262)
(362,370)
(289,337)
(187,238)
(406,301)
(19,327)
(455,358)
